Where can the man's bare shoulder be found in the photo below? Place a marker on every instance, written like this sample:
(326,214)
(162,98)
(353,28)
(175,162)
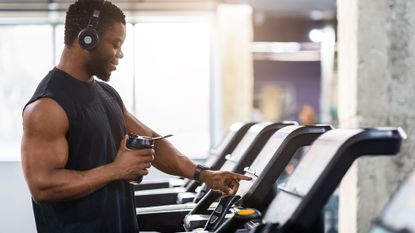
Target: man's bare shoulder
(44,115)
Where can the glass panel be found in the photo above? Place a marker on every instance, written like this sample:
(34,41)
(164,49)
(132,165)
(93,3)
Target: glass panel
(317,158)
(172,80)
(282,208)
(26,57)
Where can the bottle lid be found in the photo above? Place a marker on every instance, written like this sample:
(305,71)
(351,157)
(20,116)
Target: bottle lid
(139,142)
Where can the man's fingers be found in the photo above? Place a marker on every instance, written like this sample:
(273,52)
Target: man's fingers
(230,186)
(124,142)
(242,177)
(147,165)
(226,182)
(144,172)
(228,191)
(234,186)
(148,158)
(239,177)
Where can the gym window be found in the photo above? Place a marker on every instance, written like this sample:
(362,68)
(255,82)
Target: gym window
(164,77)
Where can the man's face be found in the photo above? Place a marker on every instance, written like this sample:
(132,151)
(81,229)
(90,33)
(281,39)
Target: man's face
(105,57)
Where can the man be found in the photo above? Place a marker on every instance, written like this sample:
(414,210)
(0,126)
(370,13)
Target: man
(74,153)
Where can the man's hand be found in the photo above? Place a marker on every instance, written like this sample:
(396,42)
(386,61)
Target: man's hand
(226,182)
(132,163)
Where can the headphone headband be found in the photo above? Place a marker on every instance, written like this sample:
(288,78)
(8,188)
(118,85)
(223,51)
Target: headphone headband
(94,20)
(88,37)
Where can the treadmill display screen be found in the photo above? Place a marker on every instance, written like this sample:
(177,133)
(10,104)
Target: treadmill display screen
(306,174)
(239,151)
(282,207)
(263,158)
(243,145)
(268,151)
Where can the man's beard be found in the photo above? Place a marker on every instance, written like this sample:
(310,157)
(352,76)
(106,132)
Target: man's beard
(103,76)
(96,66)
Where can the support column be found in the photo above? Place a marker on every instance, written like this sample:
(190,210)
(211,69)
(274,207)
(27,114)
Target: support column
(376,48)
(236,35)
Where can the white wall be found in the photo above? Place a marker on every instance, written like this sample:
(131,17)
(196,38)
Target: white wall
(16,214)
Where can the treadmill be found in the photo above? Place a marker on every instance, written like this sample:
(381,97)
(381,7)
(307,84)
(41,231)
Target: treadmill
(299,202)
(264,171)
(169,217)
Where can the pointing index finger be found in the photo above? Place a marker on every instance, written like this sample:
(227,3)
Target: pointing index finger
(243,177)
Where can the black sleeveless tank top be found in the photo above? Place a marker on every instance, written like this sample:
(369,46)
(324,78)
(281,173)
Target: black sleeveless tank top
(96,128)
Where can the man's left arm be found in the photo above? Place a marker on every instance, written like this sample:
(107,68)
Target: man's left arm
(168,159)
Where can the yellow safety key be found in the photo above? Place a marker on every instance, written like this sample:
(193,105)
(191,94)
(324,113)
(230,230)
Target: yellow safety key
(246,212)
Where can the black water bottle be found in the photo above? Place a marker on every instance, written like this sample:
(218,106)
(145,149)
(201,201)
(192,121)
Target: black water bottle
(135,142)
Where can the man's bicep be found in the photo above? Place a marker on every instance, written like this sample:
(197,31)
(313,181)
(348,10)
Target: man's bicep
(44,145)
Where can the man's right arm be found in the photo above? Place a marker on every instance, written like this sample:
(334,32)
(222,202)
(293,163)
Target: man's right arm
(45,154)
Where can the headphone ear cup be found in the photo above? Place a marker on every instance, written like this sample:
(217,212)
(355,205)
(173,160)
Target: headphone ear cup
(88,38)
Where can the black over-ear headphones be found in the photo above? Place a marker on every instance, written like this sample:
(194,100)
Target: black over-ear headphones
(88,38)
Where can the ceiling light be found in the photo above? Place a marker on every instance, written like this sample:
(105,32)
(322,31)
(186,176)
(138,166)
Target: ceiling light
(315,35)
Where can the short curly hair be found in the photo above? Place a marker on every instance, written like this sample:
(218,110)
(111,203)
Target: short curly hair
(79,13)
